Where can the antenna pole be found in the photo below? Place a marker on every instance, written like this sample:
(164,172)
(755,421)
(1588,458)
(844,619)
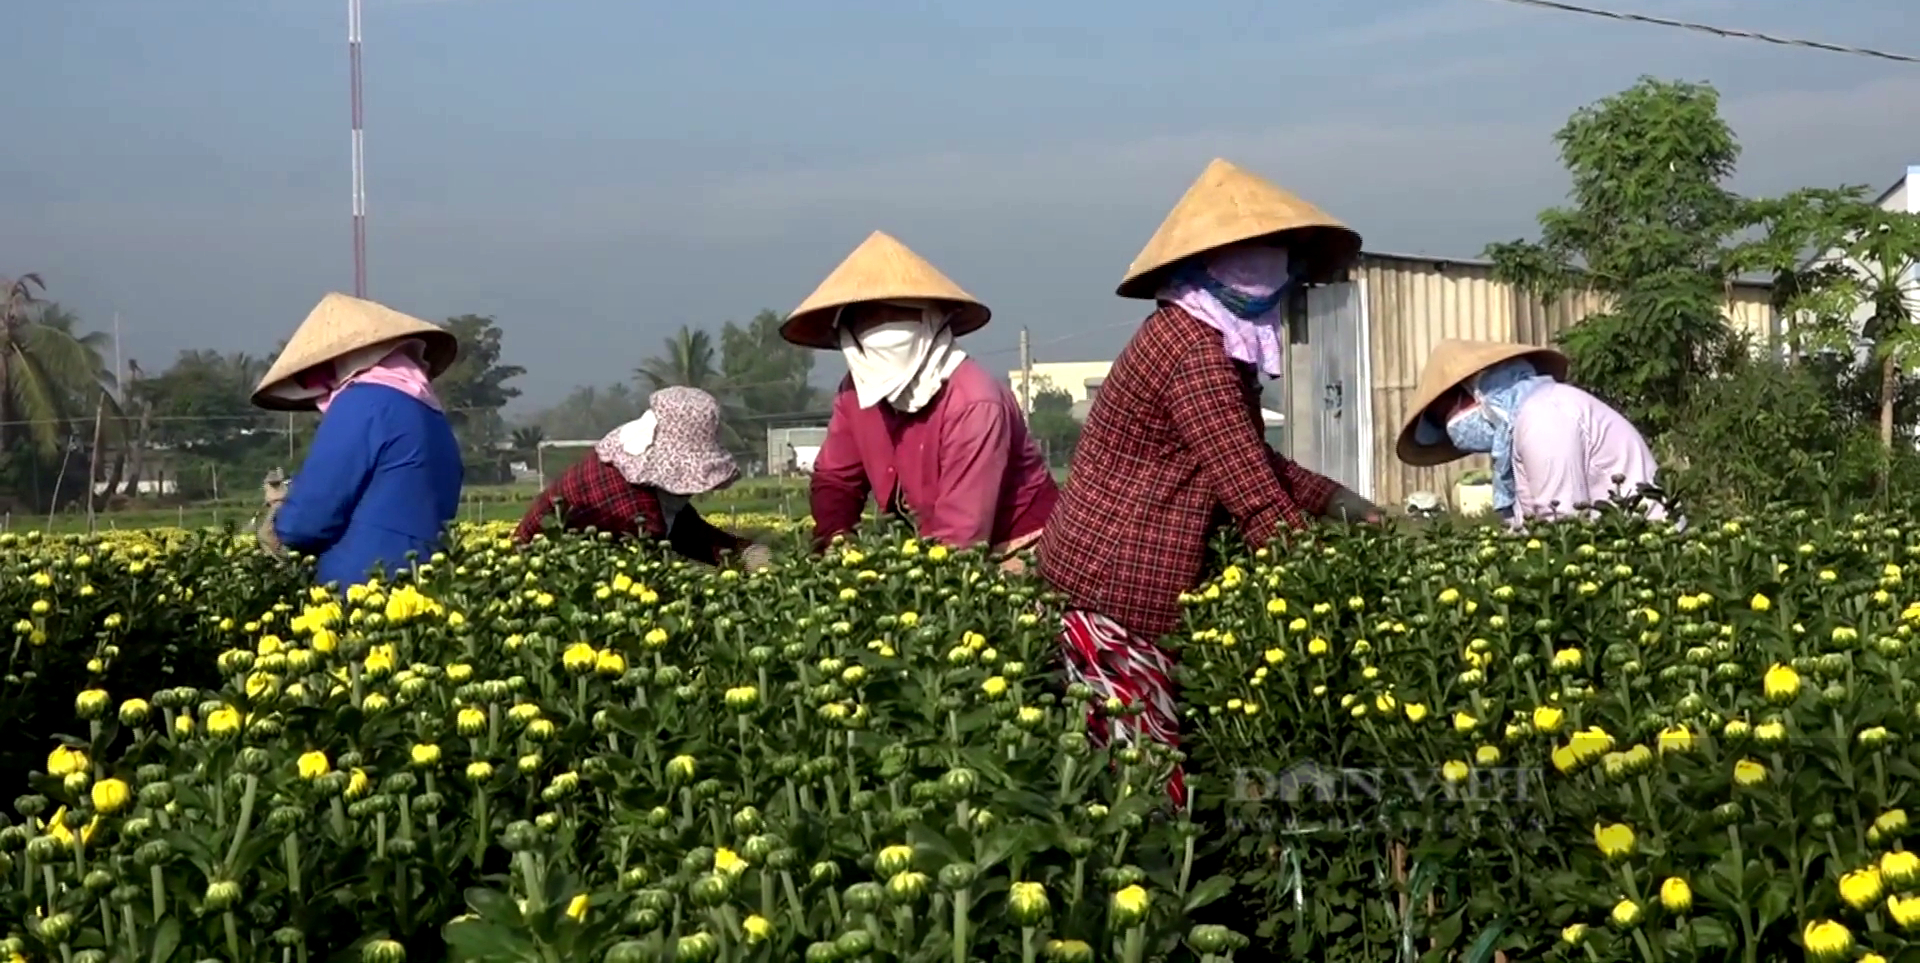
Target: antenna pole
(359,156)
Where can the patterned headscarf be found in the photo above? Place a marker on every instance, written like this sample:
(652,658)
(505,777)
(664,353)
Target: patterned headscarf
(1237,292)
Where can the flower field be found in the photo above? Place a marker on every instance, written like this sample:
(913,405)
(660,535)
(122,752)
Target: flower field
(1594,742)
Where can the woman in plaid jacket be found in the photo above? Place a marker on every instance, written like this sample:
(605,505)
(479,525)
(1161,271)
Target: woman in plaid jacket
(1174,445)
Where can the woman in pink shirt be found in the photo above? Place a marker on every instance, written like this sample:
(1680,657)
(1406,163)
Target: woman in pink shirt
(927,432)
(1553,446)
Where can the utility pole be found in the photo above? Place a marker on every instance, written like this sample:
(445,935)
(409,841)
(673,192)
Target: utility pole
(1026,375)
(359,154)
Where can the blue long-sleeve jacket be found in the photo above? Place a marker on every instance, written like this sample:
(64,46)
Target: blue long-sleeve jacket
(381,480)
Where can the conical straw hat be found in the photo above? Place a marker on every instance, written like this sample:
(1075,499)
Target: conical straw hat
(1448,367)
(339,326)
(880,269)
(1227,206)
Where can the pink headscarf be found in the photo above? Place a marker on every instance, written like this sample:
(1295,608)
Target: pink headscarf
(397,366)
(1253,272)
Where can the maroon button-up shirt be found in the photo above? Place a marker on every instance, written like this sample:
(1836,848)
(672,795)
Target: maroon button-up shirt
(964,468)
(1173,447)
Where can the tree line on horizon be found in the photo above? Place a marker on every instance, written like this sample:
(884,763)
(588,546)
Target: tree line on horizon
(1651,225)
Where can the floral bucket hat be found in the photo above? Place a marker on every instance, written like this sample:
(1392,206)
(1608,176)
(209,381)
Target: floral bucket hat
(674,447)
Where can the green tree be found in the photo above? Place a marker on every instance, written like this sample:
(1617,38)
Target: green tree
(590,411)
(48,369)
(1856,297)
(198,413)
(1652,228)
(764,381)
(1051,422)
(474,390)
(688,361)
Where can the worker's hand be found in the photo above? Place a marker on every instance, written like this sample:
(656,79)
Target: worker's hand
(269,539)
(756,557)
(1013,565)
(1345,506)
(274,488)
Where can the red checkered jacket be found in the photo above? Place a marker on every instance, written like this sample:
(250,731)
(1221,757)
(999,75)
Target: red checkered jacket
(593,494)
(1173,448)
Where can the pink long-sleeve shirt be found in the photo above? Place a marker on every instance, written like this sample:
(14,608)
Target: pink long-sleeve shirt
(964,468)
(1567,446)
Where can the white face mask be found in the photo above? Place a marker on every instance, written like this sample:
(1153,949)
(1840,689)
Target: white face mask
(903,363)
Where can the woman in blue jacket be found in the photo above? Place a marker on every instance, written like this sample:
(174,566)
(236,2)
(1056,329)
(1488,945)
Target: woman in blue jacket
(382,479)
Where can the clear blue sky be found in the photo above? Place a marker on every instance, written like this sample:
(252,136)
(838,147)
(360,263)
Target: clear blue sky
(597,172)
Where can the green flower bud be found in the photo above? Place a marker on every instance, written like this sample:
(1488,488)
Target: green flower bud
(959,783)
(822,953)
(696,948)
(957,876)
(56,928)
(383,951)
(863,897)
(747,820)
(907,887)
(854,944)
(1068,951)
(631,951)
(221,895)
(825,871)
(1027,903)
(1210,940)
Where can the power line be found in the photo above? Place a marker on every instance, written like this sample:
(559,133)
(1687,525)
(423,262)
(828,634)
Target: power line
(1723,32)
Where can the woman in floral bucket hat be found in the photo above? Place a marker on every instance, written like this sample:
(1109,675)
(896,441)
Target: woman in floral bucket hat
(640,477)
(382,478)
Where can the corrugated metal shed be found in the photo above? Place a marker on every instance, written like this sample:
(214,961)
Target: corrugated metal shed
(1414,303)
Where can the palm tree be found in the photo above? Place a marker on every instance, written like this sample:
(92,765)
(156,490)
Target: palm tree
(47,370)
(687,362)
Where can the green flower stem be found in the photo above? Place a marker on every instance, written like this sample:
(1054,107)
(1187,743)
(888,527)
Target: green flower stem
(245,822)
(766,893)
(531,878)
(106,921)
(482,825)
(795,908)
(232,926)
(962,937)
(1749,944)
(833,796)
(380,835)
(1029,944)
(156,885)
(131,929)
(1066,779)
(356,679)
(1079,880)
(1135,948)
(338,810)
(686,806)
(902,927)
(290,847)
(433,818)
(1186,855)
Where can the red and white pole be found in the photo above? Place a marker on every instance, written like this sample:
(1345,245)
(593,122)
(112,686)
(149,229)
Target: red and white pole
(359,157)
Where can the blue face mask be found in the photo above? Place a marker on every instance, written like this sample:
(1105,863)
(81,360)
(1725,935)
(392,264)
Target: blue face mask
(1472,431)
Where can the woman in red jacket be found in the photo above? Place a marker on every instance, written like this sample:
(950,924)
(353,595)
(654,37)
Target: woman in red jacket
(641,477)
(1174,445)
(923,429)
